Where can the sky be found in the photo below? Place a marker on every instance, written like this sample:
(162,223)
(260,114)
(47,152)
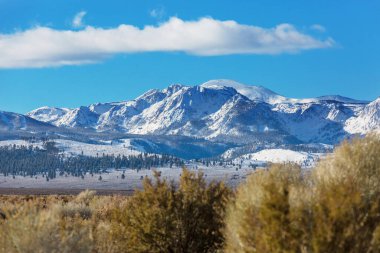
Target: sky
(68,53)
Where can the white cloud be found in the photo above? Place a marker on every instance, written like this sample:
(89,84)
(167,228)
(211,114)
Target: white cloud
(318,28)
(157,13)
(78,19)
(45,47)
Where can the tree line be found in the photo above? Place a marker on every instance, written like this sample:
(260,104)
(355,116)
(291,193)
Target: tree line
(48,161)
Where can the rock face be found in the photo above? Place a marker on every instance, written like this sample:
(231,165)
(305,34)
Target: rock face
(224,110)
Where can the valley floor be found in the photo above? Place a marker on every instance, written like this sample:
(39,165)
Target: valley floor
(58,191)
(112,180)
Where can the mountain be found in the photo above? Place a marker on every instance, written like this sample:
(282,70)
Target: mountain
(263,94)
(196,111)
(317,122)
(10,121)
(221,112)
(48,114)
(367,119)
(257,93)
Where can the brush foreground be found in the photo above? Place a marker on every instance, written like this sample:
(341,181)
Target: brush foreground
(334,207)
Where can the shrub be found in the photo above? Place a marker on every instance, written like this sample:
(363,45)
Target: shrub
(166,218)
(31,230)
(262,218)
(58,223)
(336,208)
(346,208)
(79,207)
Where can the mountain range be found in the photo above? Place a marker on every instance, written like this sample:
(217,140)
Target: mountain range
(222,113)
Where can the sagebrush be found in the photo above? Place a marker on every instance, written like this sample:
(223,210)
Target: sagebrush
(333,208)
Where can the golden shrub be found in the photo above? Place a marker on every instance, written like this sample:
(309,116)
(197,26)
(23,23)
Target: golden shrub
(336,208)
(166,218)
(31,230)
(262,219)
(346,208)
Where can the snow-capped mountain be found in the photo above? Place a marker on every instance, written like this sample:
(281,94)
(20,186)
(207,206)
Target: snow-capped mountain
(219,117)
(317,122)
(257,93)
(263,94)
(49,114)
(10,121)
(224,110)
(366,120)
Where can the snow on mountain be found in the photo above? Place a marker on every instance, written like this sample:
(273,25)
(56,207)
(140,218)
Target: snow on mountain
(48,114)
(263,94)
(252,92)
(316,121)
(223,110)
(86,117)
(100,108)
(366,121)
(119,115)
(123,147)
(215,114)
(80,117)
(10,121)
(241,117)
(304,159)
(69,147)
(183,106)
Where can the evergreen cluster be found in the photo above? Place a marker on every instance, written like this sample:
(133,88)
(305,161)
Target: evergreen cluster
(31,161)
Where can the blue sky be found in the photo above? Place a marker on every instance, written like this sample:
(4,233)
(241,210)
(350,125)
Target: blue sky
(47,57)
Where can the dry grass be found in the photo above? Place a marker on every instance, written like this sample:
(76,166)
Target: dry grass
(55,223)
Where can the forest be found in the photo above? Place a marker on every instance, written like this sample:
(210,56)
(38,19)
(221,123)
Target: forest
(48,161)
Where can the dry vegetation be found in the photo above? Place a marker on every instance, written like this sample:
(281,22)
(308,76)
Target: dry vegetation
(334,208)
(160,218)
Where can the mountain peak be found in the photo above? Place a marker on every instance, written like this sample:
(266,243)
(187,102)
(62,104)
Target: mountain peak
(173,88)
(14,121)
(253,92)
(48,114)
(222,82)
(376,101)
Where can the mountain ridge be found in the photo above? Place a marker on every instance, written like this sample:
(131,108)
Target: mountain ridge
(217,109)
(211,118)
